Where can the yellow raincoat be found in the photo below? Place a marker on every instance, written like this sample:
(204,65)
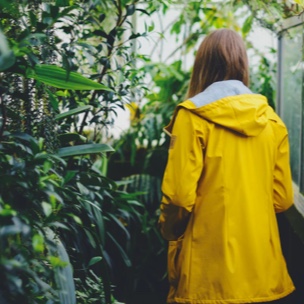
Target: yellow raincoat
(227,174)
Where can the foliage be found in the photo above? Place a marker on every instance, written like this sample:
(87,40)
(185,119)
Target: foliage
(169,79)
(65,68)
(91,39)
(263,80)
(67,232)
(270,14)
(31,261)
(92,218)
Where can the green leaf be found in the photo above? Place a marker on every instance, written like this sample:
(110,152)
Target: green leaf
(38,243)
(57,77)
(7,212)
(62,3)
(121,251)
(53,100)
(6,61)
(47,156)
(47,208)
(28,138)
(7,57)
(76,218)
(64,274)
(6,4)
(95,260)
(100,224)
(72,112)
(101,165)
(130,9)
(120,225)
(69,175)
(247,25)
(151,27)
(84,149)
(35,39)
(57,262)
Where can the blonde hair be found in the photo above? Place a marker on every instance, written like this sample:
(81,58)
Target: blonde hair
(221,56)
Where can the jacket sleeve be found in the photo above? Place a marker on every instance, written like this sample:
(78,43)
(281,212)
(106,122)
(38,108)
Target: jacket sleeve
(183,170)
(283,192)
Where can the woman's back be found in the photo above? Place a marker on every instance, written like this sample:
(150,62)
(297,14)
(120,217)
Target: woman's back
(227,174)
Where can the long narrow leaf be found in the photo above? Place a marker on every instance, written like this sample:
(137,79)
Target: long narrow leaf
(28,138)
(57,77)
(120,225)
(72,112)
(63,275)
(84,149)
(121,251)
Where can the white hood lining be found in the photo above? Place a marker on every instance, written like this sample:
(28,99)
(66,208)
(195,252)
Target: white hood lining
(219,90)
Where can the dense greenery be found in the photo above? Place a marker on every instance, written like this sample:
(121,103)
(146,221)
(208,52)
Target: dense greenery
(68,231)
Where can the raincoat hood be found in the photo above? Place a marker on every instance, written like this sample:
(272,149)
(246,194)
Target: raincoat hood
(232,105)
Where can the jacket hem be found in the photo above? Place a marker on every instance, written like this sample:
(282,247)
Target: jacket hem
(232,301)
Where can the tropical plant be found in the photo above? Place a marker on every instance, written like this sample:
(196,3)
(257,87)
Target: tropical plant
(58,208)
(169,79)
(34,265)
(67,231)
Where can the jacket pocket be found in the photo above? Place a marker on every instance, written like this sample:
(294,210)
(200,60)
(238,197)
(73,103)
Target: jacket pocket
(173,257)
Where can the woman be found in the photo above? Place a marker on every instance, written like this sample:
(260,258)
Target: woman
(227,175)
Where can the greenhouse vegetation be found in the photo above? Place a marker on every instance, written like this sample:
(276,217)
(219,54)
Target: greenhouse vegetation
(78,221)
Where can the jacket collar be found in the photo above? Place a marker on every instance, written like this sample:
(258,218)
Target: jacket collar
(219,90)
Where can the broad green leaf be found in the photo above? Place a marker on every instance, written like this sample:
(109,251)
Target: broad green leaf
(84,149)
(247,25)
(72,112)
(95,260)
(57,77)
(24,136)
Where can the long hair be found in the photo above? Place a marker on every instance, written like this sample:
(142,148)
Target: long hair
(221,56)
